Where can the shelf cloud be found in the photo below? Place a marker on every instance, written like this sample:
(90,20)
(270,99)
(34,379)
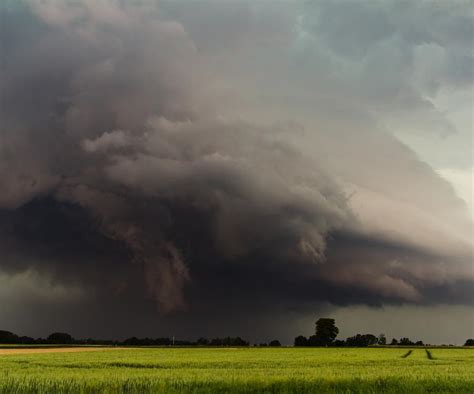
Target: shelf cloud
(202,161)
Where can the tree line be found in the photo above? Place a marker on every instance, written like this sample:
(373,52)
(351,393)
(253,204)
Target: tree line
(325,334)
(61,338)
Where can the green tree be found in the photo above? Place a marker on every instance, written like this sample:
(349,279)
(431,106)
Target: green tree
(8,337)
(60,338)
(326,332)
(361,340)
(301,341)
(405,342)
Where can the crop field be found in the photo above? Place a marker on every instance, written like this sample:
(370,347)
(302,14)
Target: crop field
(241,370)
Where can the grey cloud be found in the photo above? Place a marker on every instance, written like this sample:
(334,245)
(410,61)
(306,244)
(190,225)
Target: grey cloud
(359,29)
(226,26)
(397,59)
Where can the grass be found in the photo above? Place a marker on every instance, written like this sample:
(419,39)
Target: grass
(241,370)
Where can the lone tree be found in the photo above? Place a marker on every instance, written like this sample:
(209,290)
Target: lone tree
(326,332)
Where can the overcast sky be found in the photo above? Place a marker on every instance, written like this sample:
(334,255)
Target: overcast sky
(203,168)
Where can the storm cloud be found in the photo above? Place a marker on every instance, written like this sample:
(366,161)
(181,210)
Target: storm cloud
(217,161)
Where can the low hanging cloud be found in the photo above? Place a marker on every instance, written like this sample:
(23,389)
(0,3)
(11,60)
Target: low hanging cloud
(114,145)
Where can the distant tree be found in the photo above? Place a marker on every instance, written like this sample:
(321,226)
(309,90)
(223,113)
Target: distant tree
(202,341)
(8,337)
(469,342)
(26,340)
(405,342)
(394,342)
(339,343)
(361,340)
(60,338)
(163,341)
(382,339)
(419,343)
(182,343)
(228,341)
(275,342)
(133,341)
(263,344)
(314,340)
(326,332)
(237,341)
(240,342)
(301,341)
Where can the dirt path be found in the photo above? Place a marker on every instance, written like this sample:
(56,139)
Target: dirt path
(4,352)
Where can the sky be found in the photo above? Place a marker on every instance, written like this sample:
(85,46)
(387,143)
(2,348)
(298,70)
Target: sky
(213,168)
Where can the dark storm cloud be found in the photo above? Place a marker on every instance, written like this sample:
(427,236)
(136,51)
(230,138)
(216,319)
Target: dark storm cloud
(125,180)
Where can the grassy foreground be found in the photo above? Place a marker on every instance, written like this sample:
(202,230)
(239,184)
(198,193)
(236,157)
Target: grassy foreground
(242,370)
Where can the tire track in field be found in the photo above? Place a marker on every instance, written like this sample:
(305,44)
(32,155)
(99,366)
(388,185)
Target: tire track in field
(407,354)
(429,355)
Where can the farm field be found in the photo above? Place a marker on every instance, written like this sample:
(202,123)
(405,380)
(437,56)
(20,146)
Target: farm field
(220,370)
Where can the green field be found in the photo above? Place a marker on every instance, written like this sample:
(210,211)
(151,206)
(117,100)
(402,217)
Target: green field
(219,370)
